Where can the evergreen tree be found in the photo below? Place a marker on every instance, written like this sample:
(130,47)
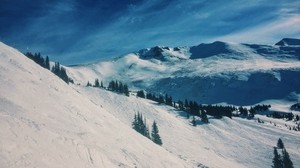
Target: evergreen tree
(111,86)
(145,129)
(154,134)
(121,87)
(286,160)
(194,121)
(88,84)
(204,116)
(161,99)
(101,85)
(135,122)
(140,125)
(47,63)
(116,86)
(140,94)
(126,91)
(280,144)
(276,159)
(186,104)
(63,75)
(97,84)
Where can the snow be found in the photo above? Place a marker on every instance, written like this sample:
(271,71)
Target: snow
(239,68)
(46,123)
(222,143)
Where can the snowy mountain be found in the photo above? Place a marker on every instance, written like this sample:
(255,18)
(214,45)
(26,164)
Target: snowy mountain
(46,123)
(240,74)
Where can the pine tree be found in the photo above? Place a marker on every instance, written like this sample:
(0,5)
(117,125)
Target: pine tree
(194,121)
(47,63)
(140,94)
(154,134)
(276,159)
(280,144)
(134,122)
(116,86)
(63,75)
(101,85)
(88,84)
(286,160)
(126,91)
(204,116)
(145,130)
(140,125)
(97,83)
(161,99)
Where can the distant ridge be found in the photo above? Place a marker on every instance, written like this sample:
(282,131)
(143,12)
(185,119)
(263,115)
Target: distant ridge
(288,42)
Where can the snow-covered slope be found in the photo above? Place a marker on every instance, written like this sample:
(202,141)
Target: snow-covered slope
(227,142)
(47,123)
(208,73)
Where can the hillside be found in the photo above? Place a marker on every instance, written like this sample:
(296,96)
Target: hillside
(207,73)
(46,123)
(227,142)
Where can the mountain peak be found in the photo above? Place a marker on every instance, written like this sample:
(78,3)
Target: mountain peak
(205,50)
(288,42)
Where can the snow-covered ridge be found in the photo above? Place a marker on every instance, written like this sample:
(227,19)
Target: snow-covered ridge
(288,42)
(219,67)
(46,123)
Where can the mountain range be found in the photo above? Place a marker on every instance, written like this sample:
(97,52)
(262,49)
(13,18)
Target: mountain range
(45,122)
(218,72)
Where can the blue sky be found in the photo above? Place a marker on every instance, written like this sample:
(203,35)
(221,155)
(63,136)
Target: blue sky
(82,31)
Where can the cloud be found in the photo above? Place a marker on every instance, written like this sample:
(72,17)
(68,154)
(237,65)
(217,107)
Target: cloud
(286,24)
(74,31)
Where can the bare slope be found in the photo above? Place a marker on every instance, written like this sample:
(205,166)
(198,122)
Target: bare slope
(46,123)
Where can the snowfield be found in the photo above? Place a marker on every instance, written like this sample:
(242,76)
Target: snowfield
(227,142)
(46,123)
(239,70)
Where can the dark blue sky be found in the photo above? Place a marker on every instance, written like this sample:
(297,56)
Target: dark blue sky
(81,31)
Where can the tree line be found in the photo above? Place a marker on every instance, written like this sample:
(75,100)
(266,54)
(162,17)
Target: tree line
(114,86)
(45,62)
